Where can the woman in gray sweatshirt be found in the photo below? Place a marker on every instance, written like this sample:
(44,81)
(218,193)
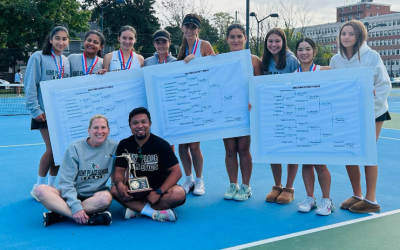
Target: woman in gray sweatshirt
(45,65)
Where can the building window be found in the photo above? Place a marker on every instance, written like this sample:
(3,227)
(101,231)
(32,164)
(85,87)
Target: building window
(370,15)
(398,32)
(385,52)
(385,33)
(82,45)
(349,18)
(380,52)
(377,7)
(397,62)
(398,22)
(66,50)
(368,6)
(381,33)
(389,53)
(342,20)
(381,42)
(351,8)
(358,17)
(358,7)
(385,42)
(390,42)
(390,23)
(341,10)
(389,32)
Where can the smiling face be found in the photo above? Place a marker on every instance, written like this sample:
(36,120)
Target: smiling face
(92,44)
(98,132)
(59,41)
(162,46)
(348,37)
(236,39)
(190,31)
(127,40)
(274,44)
(140,126)
(305,53)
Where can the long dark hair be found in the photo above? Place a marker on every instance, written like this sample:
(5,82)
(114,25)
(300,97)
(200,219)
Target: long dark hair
(361,35)
(47,47)
(267,56)
(182,49)
(101,37)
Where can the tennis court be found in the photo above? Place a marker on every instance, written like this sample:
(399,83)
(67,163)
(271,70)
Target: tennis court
(209,221)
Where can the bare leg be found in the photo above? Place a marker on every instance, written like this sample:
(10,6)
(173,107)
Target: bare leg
(277,173)
(47,160)
(99,202)
(355,178)
(185,158)
(231,162)
(371,172)
(246,165)
(292,171)
(324,179)
(197,158)
(309,179)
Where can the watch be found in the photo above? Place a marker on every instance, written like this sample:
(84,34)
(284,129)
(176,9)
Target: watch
(158,191)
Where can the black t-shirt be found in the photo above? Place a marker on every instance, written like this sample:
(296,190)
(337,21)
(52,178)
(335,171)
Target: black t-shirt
(152,160)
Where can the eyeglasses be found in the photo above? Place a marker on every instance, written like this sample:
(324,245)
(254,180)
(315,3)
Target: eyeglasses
(161,41)
(190,26)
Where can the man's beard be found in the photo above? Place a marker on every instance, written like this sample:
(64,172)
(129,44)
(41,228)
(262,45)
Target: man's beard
(140,137)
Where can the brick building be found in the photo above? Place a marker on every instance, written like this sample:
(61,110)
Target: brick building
(383,27)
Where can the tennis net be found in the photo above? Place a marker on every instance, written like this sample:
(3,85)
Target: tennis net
(12,99)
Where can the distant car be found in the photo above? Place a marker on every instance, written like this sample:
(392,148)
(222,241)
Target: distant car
(2,81)
(396,82)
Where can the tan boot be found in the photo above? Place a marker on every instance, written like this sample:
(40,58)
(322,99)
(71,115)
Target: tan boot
(286,196)
(349,202)
(273,195)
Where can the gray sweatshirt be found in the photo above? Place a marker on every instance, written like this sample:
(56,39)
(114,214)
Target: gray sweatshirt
(154,59)
(75,60)
(40,68)
(292,64)
(85,170)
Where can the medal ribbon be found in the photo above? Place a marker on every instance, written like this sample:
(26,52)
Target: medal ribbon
(122,60)
(312,68)
(194,48)
(59,66)
(165,61)
(91,67)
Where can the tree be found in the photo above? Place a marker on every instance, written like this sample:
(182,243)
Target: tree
(139,14)
(26,24)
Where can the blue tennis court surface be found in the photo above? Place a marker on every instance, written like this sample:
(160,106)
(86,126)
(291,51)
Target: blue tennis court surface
(205,222)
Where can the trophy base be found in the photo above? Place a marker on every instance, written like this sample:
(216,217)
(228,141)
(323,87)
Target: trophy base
(139,187)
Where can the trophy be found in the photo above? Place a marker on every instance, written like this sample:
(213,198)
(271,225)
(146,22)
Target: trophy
(138,186)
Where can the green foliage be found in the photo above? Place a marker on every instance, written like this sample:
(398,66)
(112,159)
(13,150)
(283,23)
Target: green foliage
(26,24)
(136,13)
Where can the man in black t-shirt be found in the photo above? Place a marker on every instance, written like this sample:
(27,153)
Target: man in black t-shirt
(154,159)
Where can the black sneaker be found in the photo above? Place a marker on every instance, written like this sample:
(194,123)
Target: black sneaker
(103,218)
(51,218)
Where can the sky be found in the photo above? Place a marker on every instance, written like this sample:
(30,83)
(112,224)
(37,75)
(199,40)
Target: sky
(326,10)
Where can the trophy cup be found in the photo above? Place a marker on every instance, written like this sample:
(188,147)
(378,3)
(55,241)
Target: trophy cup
(138,186)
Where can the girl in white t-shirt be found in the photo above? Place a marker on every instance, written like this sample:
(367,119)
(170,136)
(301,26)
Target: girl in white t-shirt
(306,49)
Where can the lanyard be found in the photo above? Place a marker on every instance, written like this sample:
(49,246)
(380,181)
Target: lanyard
(122,60)
(312,68)
(165,61)
(59,66)
(194,48)
(85,69)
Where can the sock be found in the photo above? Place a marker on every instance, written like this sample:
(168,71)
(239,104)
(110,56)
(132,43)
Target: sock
(372,202)
(147,210)
(40,180)
(309,197)
(199,179)
(189,178)
(361,198)
(51,180)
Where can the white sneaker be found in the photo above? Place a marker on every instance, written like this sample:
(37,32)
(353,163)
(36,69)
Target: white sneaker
(326,207)
(164,215)
(199,188)
(233,189)
(128,213)
(33,193)
(307,205)
(243,194)
(188,185)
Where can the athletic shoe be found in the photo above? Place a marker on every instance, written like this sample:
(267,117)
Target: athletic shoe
(199,188)
(326,207)
(164,215)
(33,193)
(243,194)
(233,189)
(128,213)
(364,206)
(188,185)
(349,202)
(103,218)
(51,218)
(307,205)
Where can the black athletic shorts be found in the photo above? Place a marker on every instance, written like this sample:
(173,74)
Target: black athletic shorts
(384,117)
(37,125)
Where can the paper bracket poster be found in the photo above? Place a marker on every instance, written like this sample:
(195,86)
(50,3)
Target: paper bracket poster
(324,117)
(71,102)
(203,100)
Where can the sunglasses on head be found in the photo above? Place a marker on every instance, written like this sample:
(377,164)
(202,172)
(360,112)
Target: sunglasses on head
(191,26)
(160,41)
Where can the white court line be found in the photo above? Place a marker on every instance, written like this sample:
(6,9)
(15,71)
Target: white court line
(283,237)
(21,145)
(391,128)
(389,138)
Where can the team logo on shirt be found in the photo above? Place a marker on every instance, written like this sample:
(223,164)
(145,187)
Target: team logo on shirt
(95,166)
(95,173)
